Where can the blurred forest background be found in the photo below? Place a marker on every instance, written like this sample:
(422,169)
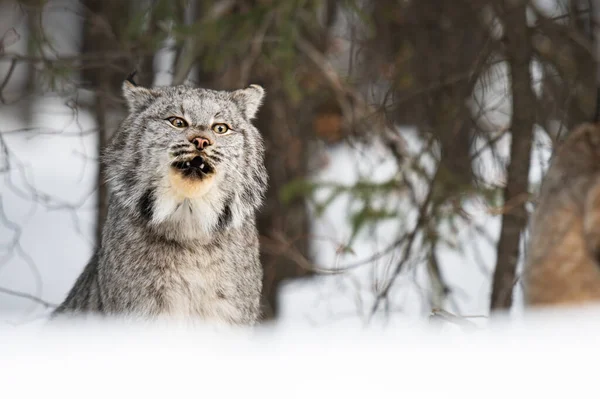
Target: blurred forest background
(405,139)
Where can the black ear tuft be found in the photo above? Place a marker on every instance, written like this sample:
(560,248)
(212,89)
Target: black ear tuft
(131,76)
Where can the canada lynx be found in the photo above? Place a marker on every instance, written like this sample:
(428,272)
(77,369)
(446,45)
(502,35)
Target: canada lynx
(564,248)
(186,175)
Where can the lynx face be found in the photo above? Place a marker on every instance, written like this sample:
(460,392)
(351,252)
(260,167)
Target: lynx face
(192,159)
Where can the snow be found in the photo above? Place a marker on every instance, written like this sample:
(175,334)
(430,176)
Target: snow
(49,192)
(542,357)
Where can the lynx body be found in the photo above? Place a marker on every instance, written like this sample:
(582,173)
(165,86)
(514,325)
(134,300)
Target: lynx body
(186,175)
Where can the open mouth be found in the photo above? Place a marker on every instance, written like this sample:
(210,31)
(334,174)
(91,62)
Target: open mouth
(195,167)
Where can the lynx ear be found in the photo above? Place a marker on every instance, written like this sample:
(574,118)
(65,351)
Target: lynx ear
(137,97)
(249,99)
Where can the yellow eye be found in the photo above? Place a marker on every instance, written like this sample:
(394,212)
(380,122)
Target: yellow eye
(177,122)
(220,128)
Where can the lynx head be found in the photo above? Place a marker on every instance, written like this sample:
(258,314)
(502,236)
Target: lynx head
(188,161)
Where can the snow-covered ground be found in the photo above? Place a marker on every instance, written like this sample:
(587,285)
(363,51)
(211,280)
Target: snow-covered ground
(538,358)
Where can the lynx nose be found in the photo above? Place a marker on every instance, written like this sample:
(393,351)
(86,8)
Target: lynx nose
(200,142)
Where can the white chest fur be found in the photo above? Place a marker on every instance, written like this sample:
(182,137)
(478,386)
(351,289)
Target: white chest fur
(198,293)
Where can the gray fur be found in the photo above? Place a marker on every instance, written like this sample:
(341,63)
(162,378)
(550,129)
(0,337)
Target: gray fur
(164,251)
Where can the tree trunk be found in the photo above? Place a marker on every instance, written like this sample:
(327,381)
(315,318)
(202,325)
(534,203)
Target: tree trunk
(514,218)
(437,50)
(104,21)
(286,160)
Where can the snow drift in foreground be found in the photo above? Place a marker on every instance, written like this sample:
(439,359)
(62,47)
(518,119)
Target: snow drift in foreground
(542,354)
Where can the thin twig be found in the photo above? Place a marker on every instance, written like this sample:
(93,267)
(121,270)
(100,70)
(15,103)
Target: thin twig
(411,238)
(11,69)
(27,296)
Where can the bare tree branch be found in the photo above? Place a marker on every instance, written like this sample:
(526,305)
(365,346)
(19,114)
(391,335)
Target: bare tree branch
(11,69)
(27,296)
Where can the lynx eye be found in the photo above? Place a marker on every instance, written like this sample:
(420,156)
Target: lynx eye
(177,122)
(220,128)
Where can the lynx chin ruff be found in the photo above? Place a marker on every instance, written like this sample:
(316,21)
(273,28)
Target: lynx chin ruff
(564,248)
(186,175)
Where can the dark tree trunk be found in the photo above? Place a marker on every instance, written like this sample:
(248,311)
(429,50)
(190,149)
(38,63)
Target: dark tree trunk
(285,227)
(105,20)
(279,223)
(514,218)
(436,51)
